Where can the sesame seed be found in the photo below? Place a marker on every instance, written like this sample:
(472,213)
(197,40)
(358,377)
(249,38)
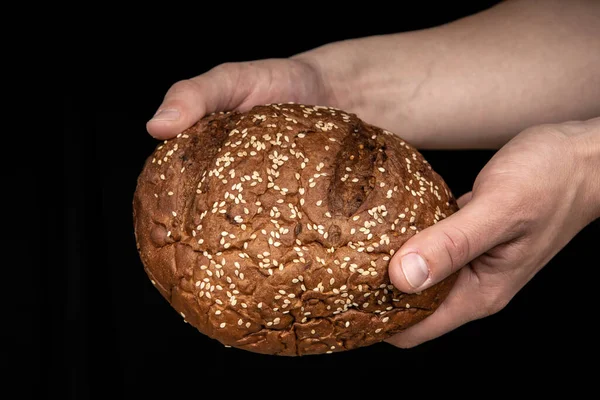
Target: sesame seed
(223,324)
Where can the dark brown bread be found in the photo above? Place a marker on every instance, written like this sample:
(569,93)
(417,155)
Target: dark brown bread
(272,230)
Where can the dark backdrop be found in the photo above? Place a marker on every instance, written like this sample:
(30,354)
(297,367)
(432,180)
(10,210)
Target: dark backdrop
(105,330)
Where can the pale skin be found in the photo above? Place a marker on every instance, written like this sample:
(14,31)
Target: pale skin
(522,77)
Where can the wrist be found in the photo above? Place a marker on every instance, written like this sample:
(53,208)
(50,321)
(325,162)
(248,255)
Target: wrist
(382,79)
(336,66)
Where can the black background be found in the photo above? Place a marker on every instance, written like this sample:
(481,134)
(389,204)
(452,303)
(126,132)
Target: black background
(104,331)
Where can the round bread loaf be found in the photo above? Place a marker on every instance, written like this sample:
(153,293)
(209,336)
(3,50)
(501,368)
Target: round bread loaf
(271,230)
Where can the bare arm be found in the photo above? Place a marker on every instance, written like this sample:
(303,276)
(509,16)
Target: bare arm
(475,82)
(510,76)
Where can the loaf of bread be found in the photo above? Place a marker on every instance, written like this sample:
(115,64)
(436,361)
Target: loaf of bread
(271,230)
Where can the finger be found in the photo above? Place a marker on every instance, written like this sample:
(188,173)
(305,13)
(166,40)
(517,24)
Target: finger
(464,199)
(441,249)
(221,88)
(464,303)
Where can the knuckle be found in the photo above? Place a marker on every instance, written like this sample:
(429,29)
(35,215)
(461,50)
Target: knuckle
(232,71)
(557,130)
(232,75)
(226,67)
(568,126)
(567,129)
(183,86)
(556,139)
(457,246)
(560,135)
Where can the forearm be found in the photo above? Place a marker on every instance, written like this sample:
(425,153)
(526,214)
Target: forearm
(476,82)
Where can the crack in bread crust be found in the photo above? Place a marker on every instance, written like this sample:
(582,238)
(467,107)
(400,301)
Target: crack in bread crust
(272,230)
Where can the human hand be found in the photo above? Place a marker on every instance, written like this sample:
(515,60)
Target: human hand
(527,203)
(237,86)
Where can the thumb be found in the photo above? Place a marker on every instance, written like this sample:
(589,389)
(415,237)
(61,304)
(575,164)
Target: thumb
(189,100)
(441,249)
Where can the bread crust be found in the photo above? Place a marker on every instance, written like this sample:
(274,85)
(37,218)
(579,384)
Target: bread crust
(271,230)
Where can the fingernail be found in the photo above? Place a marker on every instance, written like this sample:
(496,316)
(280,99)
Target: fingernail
(415,269)
(166,115)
